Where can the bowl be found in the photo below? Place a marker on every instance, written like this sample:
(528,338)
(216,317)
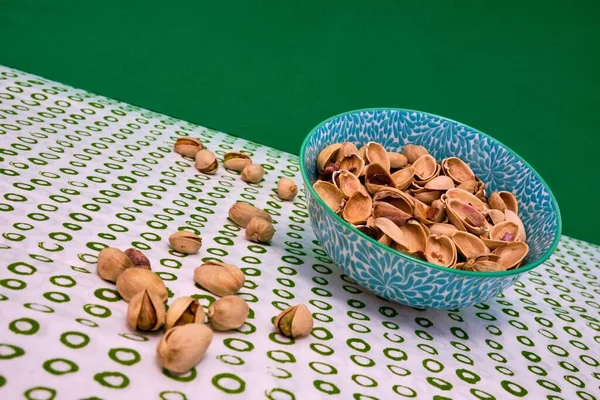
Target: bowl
(399,277)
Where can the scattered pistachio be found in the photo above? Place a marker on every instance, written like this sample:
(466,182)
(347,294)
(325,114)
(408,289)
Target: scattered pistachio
(185,242)
(286,189)
(219,278)
(236,161)
(182,347)
(188,146)
(138,259)
(294,321)
(241,213)
(229,312)
(111,263)
(184,310)
(146,311)
(206,162)
(259,230)
(252,173)
(134,280)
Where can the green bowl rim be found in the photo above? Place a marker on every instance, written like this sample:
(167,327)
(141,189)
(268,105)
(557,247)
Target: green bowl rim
(516,271)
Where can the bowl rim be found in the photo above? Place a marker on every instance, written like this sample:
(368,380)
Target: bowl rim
(516,271)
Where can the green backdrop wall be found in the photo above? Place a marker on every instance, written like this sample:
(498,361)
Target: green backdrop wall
(525,72)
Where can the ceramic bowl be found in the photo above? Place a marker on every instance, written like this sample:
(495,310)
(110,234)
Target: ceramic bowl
(405,279)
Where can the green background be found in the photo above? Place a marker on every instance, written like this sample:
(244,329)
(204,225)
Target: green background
(523,72)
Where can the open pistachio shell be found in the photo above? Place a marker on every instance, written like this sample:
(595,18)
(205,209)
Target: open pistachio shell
(385,239)
(458,170)
(441,182)
(512,254)
(430,214)
(504,201)
(374,153)
(442,229)
(352,163)
(397,160)
(348,183)
(385,210)
(393,231)
(358,208)
(416,237)
(440,250)
(413,152)
(331,195)
(184,310)
(469,186)
(327,156)
(496,216)
(500,234)
(377,178)
(468,244)
(511,216)
(345,150)
(463,214)
(426,168)
(403,178)
(463,195)
(425,195)
(485,266)
(396,198)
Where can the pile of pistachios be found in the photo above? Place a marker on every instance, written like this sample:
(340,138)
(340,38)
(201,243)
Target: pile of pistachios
(437,212)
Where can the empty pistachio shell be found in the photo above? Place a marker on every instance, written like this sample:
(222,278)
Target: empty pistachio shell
(185,242)
(403,178)
(331,195)
(346,149)
(496,216)
(138,259)
(416,237)
(485,266)
(458,170)
(182,347)
(111,263)
(442,229)
(377,178)
(206,162)
(428,215)
(259,230)
(397,160)
(241,213)
(440,250)
(134,280)
(376,154)
(393,231)
(357,208)
(468,244)
(184,310)
(219,278)
(229,312)
(286,189)
(188,146)
(236,161)
(294,321)
(413,152)
(426,168)
(352,163)
(511,254)
(464,215)
(511,216)
(463,195)
(348,183)
(503,201)
(327,156)
(440,183)
(146,311)
(252,173)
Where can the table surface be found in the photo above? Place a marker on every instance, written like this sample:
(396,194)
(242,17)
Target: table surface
(82,172)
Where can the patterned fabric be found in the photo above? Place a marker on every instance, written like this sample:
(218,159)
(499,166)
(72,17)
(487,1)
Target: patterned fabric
(405,279)
(81,172)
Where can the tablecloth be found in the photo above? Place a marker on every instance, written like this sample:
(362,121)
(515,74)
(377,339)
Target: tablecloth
(81,172)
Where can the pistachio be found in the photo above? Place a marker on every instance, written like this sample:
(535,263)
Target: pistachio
(413,152)
(184,310)
(182,347)
(397,160)
(206,162)
(185,242)
(134,280)
(252,173)
(286,189)
(219,278)
(332,196)
(241,213)
(138,259)
(236,161)
(229,312)
(426,169)
(188,146)
(259,230)
(146,311)
(111,263)
(294,321)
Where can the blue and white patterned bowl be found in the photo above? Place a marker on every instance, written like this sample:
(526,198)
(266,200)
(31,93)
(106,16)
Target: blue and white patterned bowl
(405,279)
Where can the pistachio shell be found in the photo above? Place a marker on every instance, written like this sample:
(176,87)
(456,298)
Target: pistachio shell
(367,230)
(427,196)
(352,163)
(425,168)
(397,160)
(416,237)
(294,321)
(357,209)
(385,240)
(182,347)
(511,216)
(345,150)
(464,215)
(206,162)
(185,242)
(413,152)
(184,310)
(496,216)
(403,178)
(442,229)
(512,254)
(286,189)
(252,173)
(469,186)
(134,280)
(229,312)
(146,311)
(331,195)
(259,230)
(138,259)
(377,178)
(503,201)
(500,234)
(458,170)
(188,146)
(468,244)
(111,263)
(386,210)
(486,266)
(430,214)
(374,153)
(348,183)
(219,278)
(440,183)
(241,213)
(395,198)
(393,231)
(236,161)
(327,156)
(440,250)
(463,195)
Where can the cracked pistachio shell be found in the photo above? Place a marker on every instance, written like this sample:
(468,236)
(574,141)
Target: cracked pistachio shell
(377,178)
(252,173)
(331,195)
(294,321)
(236,161)
(512,254)
(426,168)
(468,244)
(286,189)
(188,146)
(219,278)
(397,160)
(182,347)
(503,201)
(229,312)
(352,163)
(111,263)
(348,183)
(416,237)
(413,152)
(357,209)
(327,156)
(374,153)
(134,280)
(259,230)
(146,311)
(206,162)
(345,150)
(241,213)
(466,217)
(440,250)
(184,310)
(511,216)
(442,229)
(185,242)
(458,170)
(138,259)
